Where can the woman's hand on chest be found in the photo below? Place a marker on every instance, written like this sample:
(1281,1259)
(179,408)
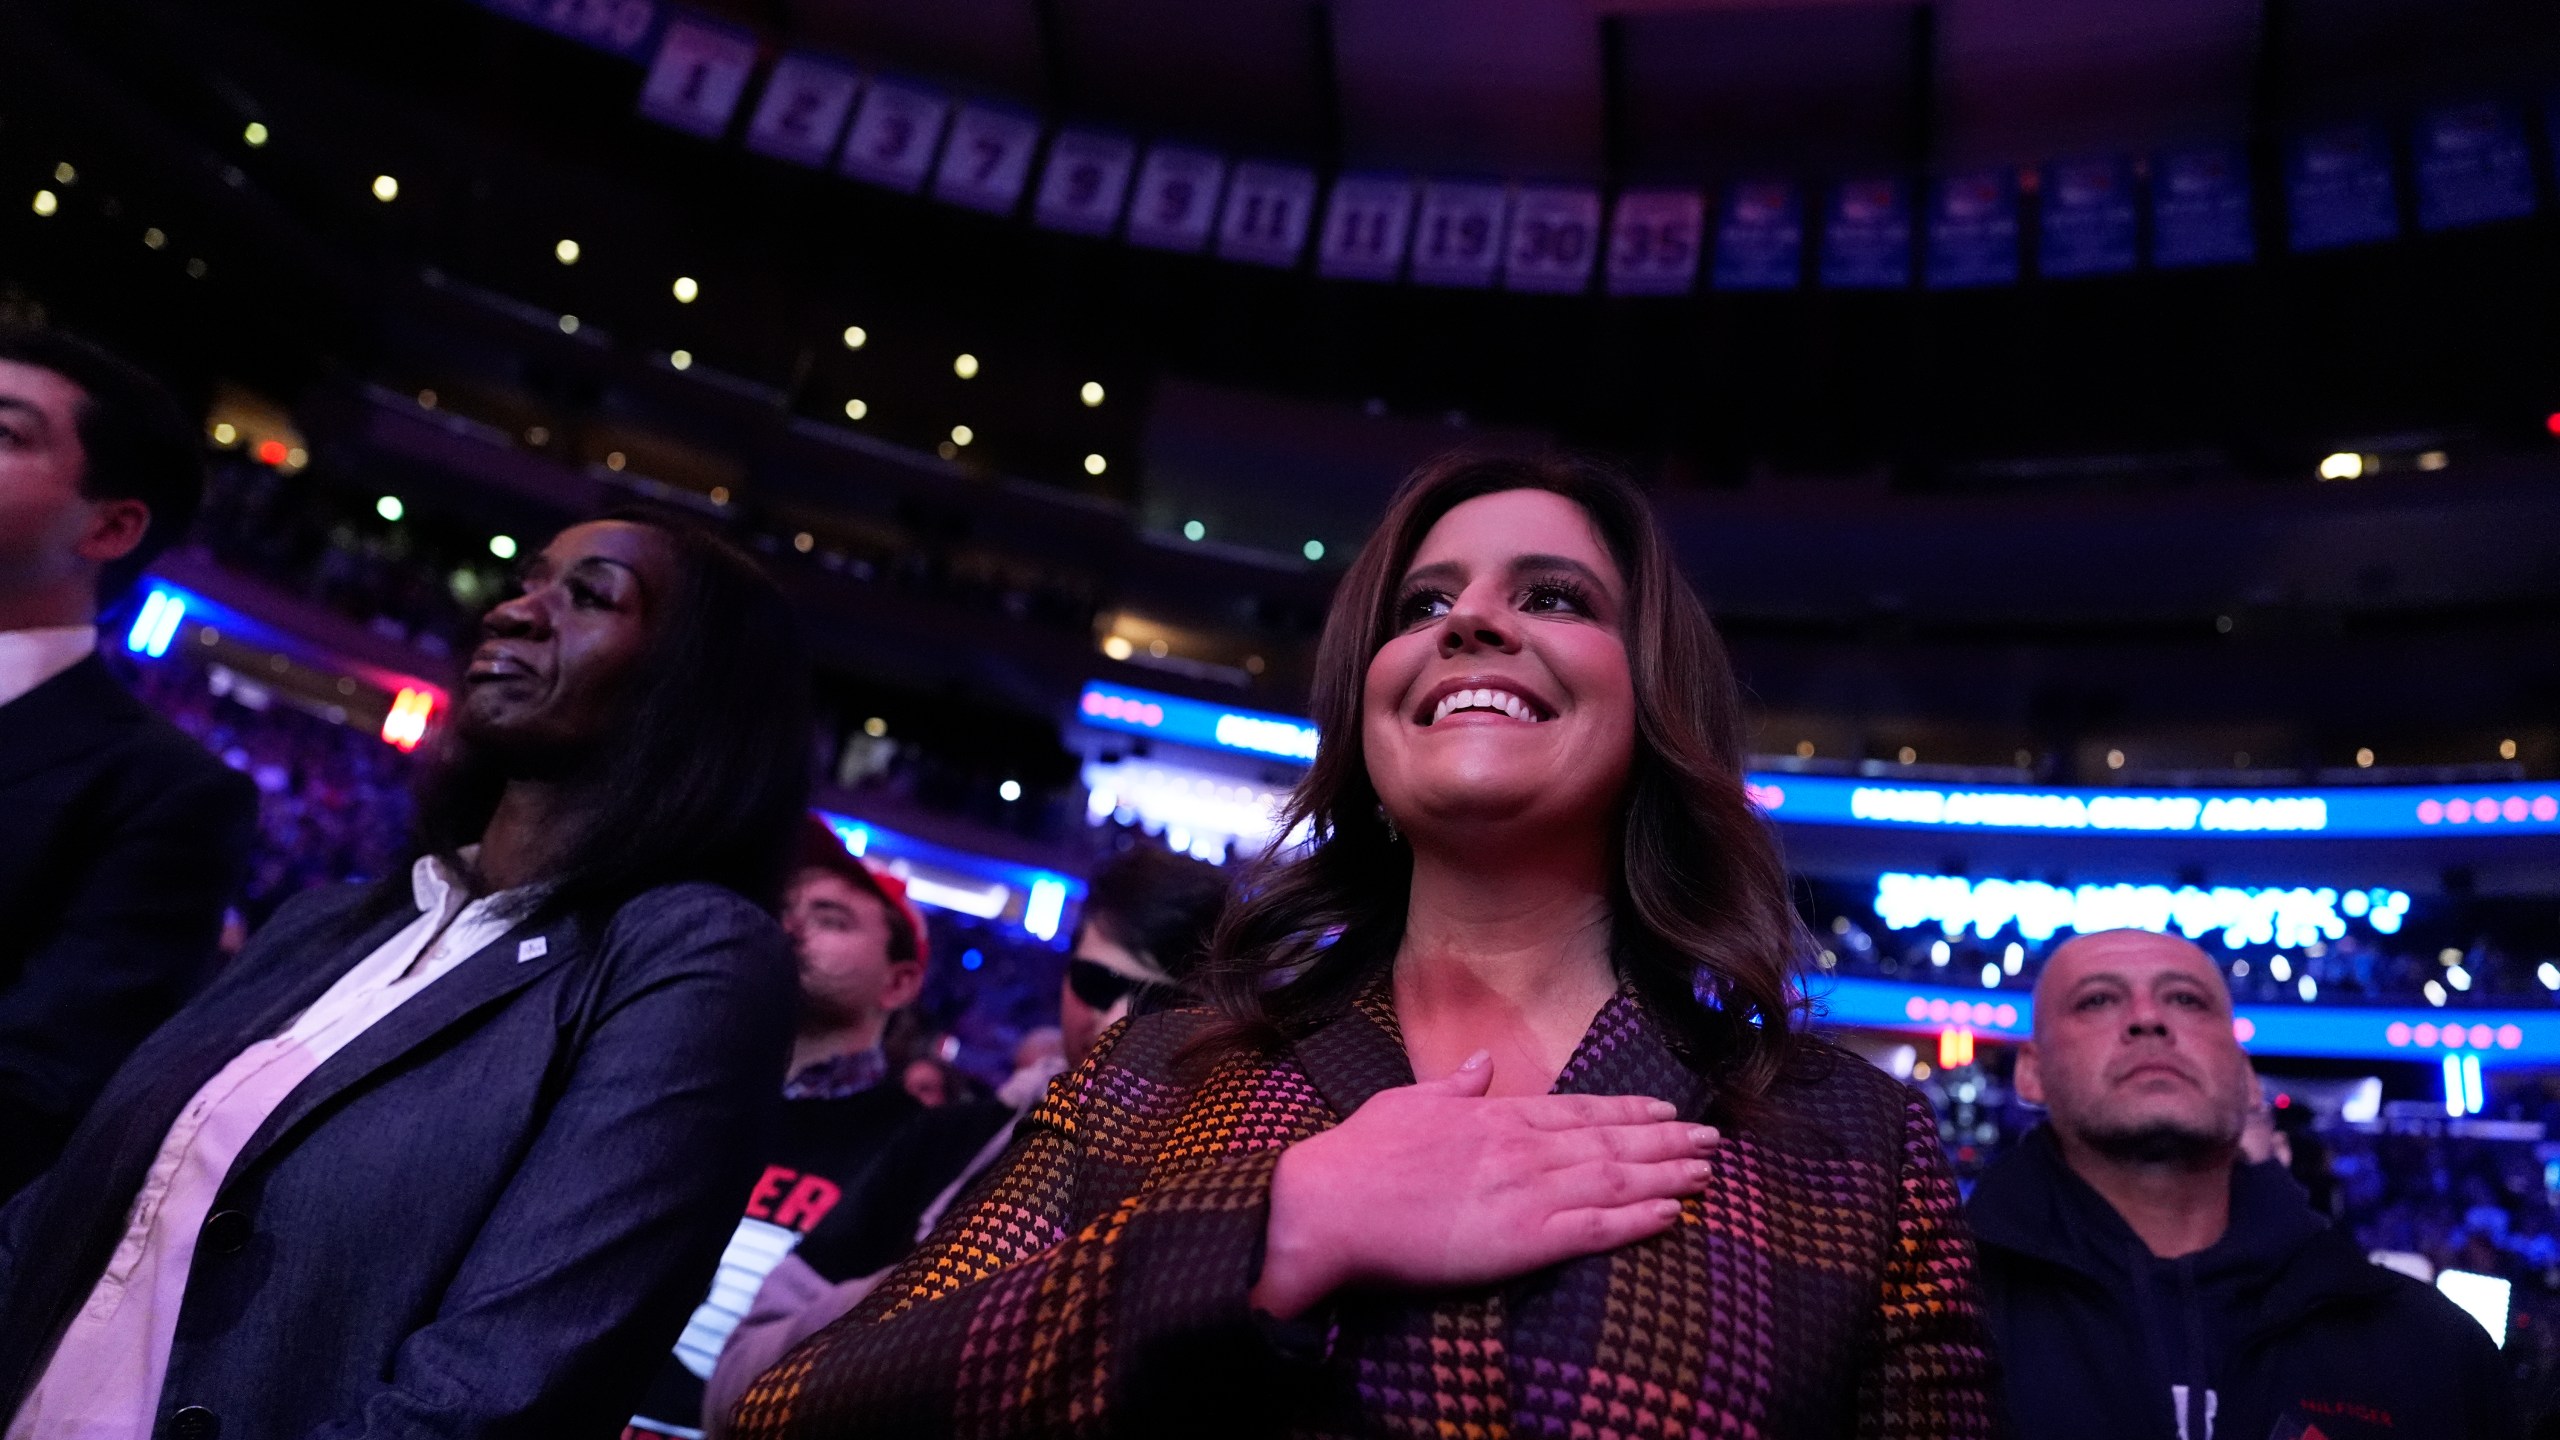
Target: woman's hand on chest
(1437,1184)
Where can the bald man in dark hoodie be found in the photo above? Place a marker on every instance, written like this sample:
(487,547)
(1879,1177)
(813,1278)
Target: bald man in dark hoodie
(2146,1282)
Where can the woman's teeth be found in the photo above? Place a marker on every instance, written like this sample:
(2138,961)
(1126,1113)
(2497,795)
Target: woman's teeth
(1500,700)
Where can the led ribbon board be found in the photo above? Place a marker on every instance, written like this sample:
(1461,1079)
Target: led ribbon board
(2292,916)
(2340,811)
(1196,722)
(2352,811)
(2422,1035)
(1025,897)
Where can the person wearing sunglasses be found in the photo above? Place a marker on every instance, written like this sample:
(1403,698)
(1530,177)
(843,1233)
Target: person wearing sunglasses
(1148,914)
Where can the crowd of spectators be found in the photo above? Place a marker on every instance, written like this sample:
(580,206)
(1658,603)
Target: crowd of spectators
(2481,971)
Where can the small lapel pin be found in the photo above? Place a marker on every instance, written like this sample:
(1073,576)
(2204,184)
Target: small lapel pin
(533,949)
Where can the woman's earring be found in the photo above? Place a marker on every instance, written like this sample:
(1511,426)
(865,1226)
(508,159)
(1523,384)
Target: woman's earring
(1393,838)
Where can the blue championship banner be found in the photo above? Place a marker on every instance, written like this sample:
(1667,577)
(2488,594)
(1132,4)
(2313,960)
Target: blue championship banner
(2200,209)
(1760,240)
(2085,219)
(2339,188)
(2472,166)
(1866,238)
(1973,230)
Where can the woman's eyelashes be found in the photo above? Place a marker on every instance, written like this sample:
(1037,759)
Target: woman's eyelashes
(1557,596)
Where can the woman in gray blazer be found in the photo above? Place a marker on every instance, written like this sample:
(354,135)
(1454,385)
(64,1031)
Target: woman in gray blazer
(453,1154)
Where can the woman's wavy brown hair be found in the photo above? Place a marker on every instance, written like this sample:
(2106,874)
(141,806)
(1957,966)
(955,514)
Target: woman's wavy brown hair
(1701,921)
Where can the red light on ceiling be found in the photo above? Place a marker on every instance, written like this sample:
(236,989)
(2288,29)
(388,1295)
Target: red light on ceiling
(2551,422)
(273,452)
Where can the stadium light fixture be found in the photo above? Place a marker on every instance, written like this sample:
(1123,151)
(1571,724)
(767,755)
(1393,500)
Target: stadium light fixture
(503,546)
(47,203)
(390,508)
(965,365)
(680,359)
(386,188)
(1194,530)
(254,134)
(2344,465)
(1091,394)
(687,290)
(566,252)
(962,434)
(856,409)
(1095,464)
(855,337)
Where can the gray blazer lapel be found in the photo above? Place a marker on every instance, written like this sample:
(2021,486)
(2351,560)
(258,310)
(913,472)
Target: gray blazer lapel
(492,973)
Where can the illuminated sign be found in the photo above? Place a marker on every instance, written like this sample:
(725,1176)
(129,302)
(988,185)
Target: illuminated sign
(2276,916)
(158,622)
(2347,1032)
(406,724)
(2353,811)
(2375,810)
(982,887)
(1196,722)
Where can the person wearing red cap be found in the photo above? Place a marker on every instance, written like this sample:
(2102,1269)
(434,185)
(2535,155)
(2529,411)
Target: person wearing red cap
(862,949)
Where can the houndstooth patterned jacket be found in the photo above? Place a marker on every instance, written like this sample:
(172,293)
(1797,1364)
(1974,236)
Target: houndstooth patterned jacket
(1096,1285)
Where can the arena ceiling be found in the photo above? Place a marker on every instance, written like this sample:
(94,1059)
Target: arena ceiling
(1626,90)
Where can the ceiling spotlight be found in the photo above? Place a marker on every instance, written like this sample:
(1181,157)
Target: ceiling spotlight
(503,546)
(47,202)
(1010,791)
(1119,648)
(1313,550)
(875,727)
(855,409)
(680,359)
(1194,530)
(686,291)
(390,508)
(1091,394)
(962,434)
(1907,755)
(66,174)
(2115,759)
(568,324)
(2433,460)
(2506,749)
(965,366)
(154,238)
(855,337)
(566,252)
(804,542)
(1095,464)
(385,189)
(255,133)
(226,433)
(2345,465)
(2364,758)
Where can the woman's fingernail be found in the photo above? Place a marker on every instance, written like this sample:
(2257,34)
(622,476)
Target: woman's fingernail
(1667,1209)
(1662,1110)
(1704,1136)
(1699,1170)
(1477,1060)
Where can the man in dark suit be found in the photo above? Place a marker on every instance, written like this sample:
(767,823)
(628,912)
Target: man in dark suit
(120,838)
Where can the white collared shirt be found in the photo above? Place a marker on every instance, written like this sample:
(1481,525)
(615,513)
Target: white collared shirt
(28,658)
(103,1382)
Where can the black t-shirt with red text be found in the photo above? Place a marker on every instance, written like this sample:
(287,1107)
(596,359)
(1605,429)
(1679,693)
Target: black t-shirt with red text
(823,1148)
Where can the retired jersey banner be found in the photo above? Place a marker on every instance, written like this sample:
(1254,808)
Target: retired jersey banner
(806,103)
(1366,225)
(2339,190)
(1175,205)
(1866,238)
(628,28)
(1760,242)
(2085,219)
(1457,233)
(1086,180)
(1655,237)
(1973,230)
(987,160)
(2472,166)
(1268,212)
(897,129)
(2200,208)
(699,76)
(1555,238)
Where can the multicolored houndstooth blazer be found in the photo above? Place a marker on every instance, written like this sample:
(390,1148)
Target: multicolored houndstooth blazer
(1823,1285)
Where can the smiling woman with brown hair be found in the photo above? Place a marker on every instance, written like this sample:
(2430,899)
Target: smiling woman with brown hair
(1536,881)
